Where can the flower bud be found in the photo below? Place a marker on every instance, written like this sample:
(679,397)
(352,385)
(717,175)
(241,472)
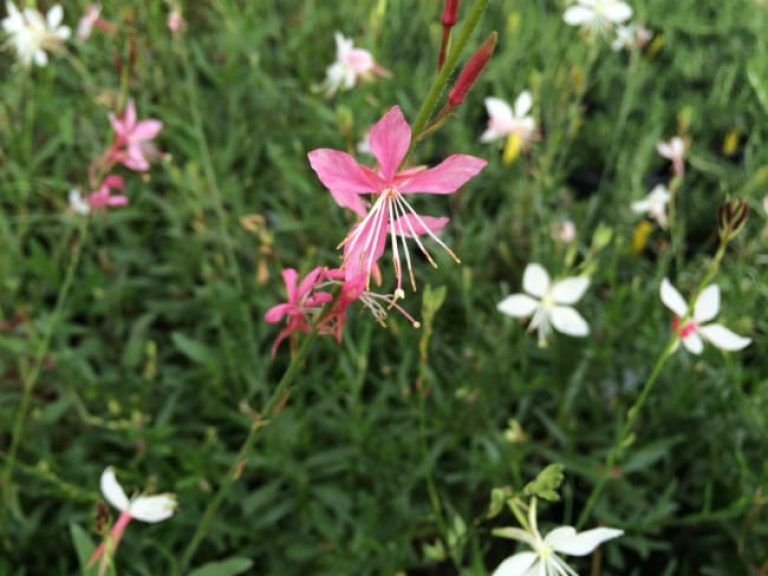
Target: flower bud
(472,70)
(731,217)
(450,10)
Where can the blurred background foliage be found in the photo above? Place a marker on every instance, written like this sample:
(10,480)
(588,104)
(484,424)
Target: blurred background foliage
(162,355)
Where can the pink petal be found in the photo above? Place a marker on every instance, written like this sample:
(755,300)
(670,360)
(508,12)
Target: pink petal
(146,130)
(276,313)
(409,224)
(390,139)
(290,276)
(117,201)
(447,177)
(116,182)
(129,116)
(357,258)
(344,177)
(117,125)
(309,282)
(135,159)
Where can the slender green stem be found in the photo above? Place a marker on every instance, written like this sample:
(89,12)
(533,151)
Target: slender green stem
(242,455)
(634,412)
(430,102)
(625,433)
(31,378)
(210,175)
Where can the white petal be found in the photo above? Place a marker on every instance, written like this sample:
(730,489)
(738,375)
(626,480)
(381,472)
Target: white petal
(153,508)
(112,490)
(578,16)
(55,16)
(693,343)
(707,304)
(498,109)
(618,12)
(723,338)
(569,290)
(665,150)
(516,565)
(518,305)
(41,58)
(523,104)
(567,321)
(672,298)
(641,206)
(490,135)
(566,540)
(535,280)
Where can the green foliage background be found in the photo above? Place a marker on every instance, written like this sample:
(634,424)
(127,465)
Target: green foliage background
(162,354)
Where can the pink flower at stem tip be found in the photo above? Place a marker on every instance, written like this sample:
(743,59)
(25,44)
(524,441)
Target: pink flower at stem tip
(390,214)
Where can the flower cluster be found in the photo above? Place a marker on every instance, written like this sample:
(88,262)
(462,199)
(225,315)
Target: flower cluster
(132,147)
(388,217)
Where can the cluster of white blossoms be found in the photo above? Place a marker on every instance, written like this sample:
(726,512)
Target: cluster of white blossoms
(32,36)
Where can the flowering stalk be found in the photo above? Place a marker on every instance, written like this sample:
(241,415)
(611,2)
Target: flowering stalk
(625,436)
(451,60)
(39,359)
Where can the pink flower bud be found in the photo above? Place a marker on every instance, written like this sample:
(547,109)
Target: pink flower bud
(472,70)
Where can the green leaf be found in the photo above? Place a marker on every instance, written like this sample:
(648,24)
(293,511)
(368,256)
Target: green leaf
(84,547)
(193,349)
(229,567)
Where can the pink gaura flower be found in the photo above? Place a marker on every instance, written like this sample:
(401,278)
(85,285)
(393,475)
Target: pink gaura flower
(133,147)
(151,509)
(101,199)
(390,213)
(693,325)
(303,299)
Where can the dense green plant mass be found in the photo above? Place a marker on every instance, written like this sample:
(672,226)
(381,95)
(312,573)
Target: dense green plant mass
(161,358)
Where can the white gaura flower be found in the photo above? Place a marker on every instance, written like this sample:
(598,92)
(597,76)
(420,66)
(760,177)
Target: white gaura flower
(543,560)
(77,203)
(631,37)
(504,120)
(674,151)
(149,509)
(550,304)
(655,204)
(33,36)
(691,327)
(597,15)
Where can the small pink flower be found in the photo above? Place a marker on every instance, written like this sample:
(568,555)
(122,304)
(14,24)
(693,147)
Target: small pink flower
(149,509)
(353,289)
(302,300)
(133,147)
(175,21)
(391,213)
(101,199)
(674,151)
